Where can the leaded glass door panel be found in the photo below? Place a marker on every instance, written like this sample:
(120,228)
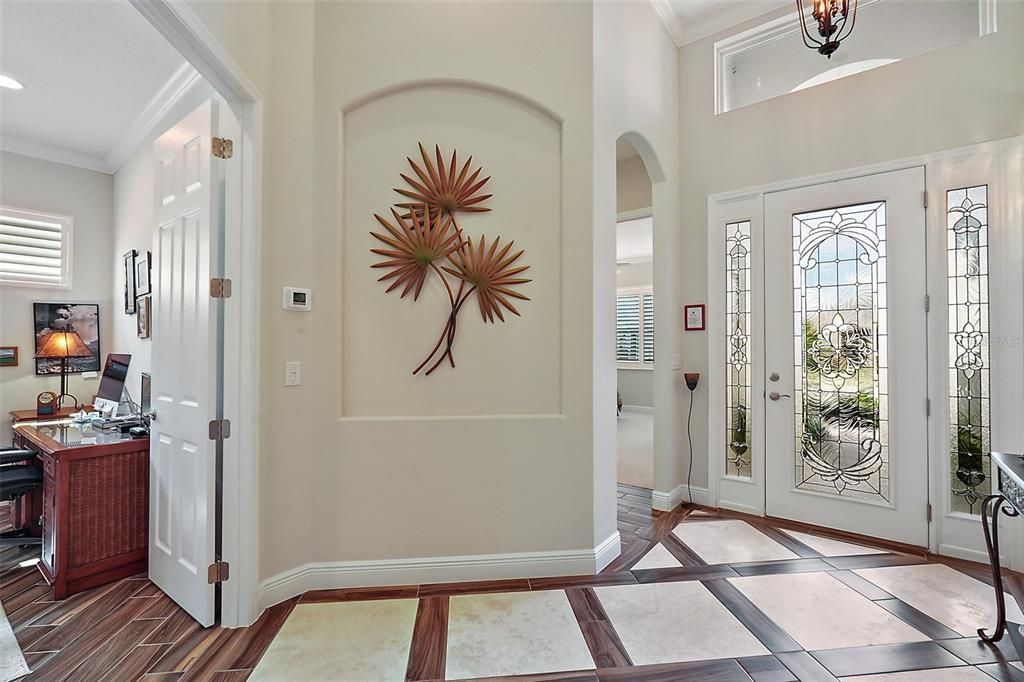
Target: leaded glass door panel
(845,356)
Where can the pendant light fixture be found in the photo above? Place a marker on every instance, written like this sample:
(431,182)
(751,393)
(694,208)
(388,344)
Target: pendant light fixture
(835,20)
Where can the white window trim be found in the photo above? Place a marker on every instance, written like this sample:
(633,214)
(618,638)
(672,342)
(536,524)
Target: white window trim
(67,228)
(640,291)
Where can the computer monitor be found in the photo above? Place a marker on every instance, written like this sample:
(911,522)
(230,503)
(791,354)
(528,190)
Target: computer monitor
(145,399)
(108,398)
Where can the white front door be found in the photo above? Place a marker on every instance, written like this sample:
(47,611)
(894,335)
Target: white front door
(185,367)
(846,356)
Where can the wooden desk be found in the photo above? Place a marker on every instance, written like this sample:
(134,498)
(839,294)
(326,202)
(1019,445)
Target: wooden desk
(95,503)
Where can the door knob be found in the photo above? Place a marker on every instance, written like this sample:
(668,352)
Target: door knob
(775,395)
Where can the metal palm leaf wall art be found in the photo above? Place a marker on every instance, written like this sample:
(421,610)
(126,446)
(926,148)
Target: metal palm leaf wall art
(423,240)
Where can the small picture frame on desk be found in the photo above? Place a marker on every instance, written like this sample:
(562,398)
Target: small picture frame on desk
(8,356)
(143,270)
(128,260)
(693,317)
(142,320)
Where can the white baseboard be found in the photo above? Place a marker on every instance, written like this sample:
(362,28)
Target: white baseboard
(667,501)
(968,554)
(326,575)
(638,408)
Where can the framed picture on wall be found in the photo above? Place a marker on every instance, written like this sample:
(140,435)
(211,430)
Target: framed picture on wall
(693,317)
(142,320)
(83,318)
(8,356)
(143,269)
(128,261)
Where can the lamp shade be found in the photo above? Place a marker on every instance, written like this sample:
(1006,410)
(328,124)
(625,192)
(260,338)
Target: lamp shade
(64,345)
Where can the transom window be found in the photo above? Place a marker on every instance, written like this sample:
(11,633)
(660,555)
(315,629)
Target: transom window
(35,248)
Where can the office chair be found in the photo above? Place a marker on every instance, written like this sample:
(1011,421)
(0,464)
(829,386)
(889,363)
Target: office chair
(17,478)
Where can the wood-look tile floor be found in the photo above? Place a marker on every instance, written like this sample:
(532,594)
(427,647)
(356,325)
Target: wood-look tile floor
(129,630)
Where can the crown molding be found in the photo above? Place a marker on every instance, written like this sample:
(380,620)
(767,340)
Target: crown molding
(672,22)
(174,90)
(47,152)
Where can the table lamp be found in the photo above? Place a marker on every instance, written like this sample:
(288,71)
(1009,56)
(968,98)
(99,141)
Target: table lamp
(64,345)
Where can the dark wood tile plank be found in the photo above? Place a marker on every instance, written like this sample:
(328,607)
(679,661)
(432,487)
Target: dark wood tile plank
(886,658)
(766,669)
(920,621)
(874,560)
(106,656)
(601,579)
(258,637)
(976,652)
(1004,672)
(789,542)
(429,640)
(604,644)
(723,670)
(173,628)
(361,594)
(137,662)
(780,567)
(661,575)
(865,587)
(805,667)
(480,587)
(585,605)
(771,635)
(217,656)
(186,650)
(679,549)
(30,635)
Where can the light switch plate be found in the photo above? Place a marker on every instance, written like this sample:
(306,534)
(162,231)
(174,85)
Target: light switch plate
(292,373)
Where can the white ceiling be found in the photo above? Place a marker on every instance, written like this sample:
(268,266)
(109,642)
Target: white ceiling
(634,241)
(92,70)
(690,20)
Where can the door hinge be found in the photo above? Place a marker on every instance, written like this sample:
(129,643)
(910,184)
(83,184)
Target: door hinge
(924,198)
(220,287)
(929,512)
(928,407)
(927,303)
(218,572)
(222,148)
(220,429)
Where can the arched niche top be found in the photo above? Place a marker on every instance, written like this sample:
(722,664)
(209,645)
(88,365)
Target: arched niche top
(647,154)
(479,86)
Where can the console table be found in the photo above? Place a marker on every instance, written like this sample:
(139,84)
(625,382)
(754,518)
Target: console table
(95,503)
(1009,500)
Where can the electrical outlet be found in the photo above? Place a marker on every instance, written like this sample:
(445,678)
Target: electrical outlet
(292,373)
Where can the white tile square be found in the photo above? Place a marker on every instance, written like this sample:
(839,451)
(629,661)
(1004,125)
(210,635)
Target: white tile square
(830,547)
(675,621)
(820,612)
(955,599)
(730,541)
(513,634)
(342,641)
(658,557)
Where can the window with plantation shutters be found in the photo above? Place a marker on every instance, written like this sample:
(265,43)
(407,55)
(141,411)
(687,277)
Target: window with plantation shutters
(34,248)
(627,328)
(634,327)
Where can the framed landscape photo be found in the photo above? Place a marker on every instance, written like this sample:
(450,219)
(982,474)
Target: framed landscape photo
(83,318)
(128,260)
(8,356)
(143,269)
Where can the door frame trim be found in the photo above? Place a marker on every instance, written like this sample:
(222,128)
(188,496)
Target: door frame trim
(718,205)
(239,479)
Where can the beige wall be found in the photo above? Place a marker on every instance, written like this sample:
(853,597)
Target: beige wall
(632,186)
(84,195)
(952,97)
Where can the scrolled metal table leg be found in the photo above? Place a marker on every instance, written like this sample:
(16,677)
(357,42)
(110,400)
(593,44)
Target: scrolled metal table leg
(990,510)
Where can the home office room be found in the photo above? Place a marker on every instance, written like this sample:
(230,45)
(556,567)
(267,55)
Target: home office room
(94,102)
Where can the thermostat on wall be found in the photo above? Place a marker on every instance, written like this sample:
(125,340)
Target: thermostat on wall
(297,299)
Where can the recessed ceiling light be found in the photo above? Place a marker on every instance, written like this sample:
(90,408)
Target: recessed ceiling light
(8,82)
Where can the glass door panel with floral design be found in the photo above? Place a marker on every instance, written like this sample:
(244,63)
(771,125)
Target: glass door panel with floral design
(846,428)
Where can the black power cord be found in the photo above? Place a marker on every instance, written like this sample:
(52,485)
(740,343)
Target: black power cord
(691,383)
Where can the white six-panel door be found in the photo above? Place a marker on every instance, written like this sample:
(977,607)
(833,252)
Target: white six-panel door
(846,361)
(184,366)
